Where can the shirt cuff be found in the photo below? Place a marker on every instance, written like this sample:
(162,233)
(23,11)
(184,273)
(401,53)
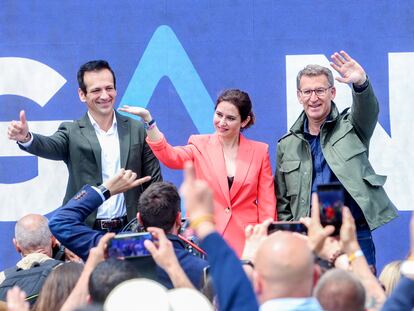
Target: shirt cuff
(28,143)
(99,192)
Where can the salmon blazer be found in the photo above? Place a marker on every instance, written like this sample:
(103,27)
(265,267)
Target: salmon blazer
(251,198)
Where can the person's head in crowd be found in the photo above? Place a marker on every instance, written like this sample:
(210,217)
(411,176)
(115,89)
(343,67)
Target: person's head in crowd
(150,295)
(284,267)
(159,206)
(90,307)
(107,275)
(236,107)
(32,235)
(390,275)
(340,290)
(57,287)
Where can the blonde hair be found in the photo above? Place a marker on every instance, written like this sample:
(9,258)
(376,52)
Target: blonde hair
(390,276)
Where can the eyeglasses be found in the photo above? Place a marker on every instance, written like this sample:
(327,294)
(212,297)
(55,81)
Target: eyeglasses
(320,92)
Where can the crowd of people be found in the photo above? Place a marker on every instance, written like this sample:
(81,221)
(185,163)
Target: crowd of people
(223,256)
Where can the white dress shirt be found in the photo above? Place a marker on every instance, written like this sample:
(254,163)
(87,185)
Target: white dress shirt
(111,164)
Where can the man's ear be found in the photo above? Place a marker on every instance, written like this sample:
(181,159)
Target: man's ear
(257,284)
(82,95)
(16,246)
(139,219)
(54,241)
(316,274)
(298,96)
(333,92)
(178,219)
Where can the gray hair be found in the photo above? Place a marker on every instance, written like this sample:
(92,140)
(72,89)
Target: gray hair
(32,232)
(315,70)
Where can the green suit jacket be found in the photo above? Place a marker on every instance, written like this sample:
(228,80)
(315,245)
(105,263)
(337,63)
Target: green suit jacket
(345,145)
(77,145)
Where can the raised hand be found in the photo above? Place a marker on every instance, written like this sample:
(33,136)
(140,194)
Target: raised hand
(123,181)
(138,111)
(348,68)
(348,236)
(316,233)
(19,130)
(16,300)
(254,234)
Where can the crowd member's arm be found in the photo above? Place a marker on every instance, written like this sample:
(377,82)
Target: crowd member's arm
(365,107)
(164,256)
(317,234)
(358,264)
(80,293)
(68,222)
(283,209)
(172,157)
(265,191)
(402,297)
(325,246)
(234,290)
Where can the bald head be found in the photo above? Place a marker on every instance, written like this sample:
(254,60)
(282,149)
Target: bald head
(340,290)
(284,267)
(32,234)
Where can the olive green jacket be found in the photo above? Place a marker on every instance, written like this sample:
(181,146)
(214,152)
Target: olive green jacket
(345,141)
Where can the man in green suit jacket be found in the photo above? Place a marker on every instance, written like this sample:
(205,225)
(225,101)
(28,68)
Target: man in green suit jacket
(96,146)
(325,146)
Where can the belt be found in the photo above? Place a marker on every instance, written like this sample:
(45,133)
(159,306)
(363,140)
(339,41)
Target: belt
(110,224)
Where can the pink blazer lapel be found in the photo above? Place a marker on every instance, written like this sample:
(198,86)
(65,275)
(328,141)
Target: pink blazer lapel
(243,162)
(218,167)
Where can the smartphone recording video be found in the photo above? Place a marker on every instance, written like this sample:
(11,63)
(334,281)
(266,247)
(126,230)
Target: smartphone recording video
(129,245)
(331,201)
(294,226)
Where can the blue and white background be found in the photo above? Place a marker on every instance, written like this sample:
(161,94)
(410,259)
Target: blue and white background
(175,56)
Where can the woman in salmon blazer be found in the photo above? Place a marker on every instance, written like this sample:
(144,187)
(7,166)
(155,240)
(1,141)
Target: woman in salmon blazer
(236,168)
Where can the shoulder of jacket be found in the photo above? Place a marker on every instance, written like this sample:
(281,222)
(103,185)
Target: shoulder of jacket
(287,135)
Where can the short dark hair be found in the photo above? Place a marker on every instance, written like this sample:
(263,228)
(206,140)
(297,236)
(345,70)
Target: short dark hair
(159,206)
(93,65)
(107,275)
(242,102)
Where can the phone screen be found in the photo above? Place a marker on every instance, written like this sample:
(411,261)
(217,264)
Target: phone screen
(294,226)
(331,201)
(128,245)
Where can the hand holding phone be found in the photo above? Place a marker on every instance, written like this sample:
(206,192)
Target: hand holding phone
(129,245)
(331,202)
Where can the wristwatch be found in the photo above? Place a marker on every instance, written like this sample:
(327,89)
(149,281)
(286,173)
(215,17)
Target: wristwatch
(149,125)
(105,192)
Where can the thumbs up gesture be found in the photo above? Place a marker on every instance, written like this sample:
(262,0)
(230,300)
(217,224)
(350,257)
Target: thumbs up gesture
(19,130)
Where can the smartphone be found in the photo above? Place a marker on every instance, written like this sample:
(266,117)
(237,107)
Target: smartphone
(331,201)
(129,245)
(294,226)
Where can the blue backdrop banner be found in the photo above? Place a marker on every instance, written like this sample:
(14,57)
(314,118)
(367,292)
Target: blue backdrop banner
(174,57)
